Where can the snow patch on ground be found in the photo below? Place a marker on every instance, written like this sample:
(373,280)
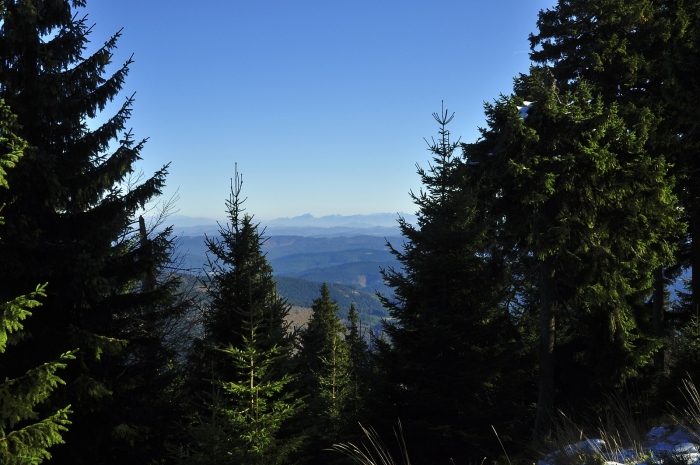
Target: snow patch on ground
(662,443)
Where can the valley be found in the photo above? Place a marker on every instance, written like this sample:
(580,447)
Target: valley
(350,265)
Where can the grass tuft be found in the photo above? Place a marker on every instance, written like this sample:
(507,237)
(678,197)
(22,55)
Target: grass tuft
(691,415)
(376,453)
(617,437)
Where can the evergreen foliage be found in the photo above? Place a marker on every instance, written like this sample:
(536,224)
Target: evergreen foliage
(70,221)
(452,335)
(588,213)
(239,283)
(682,63)
(325,368)
(360,366)
(244,356)
(684,362)
(639,56)
(247,414)
(534,281)
(25,437)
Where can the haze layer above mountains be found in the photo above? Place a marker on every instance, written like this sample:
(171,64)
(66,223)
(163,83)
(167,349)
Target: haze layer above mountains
(378,224)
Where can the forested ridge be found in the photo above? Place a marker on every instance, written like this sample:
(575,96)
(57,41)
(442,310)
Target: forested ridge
(533,286)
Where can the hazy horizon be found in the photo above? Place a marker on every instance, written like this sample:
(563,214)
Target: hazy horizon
(381,217)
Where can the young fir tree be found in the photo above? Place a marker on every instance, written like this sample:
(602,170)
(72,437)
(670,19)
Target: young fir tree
(245,353)
(24,437)
(324,375)
(360,367)
(70,221)
(586,211)
(451,333)
(240,277)
(262,404)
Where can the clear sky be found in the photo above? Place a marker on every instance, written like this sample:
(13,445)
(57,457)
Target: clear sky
(322,104)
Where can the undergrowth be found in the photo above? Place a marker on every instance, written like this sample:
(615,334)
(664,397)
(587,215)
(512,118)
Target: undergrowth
(618,435)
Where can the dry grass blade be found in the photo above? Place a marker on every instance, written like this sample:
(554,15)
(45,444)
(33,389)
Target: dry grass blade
(502,447)
(689,417)
(615,437)
(376,453)
(692,397)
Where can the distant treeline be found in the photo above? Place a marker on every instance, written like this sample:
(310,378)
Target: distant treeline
(302,293)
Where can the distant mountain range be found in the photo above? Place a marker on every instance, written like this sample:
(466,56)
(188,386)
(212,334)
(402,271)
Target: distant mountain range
(350,265)
(387,220)
(377,224)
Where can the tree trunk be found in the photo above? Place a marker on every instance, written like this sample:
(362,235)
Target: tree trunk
(149,281)
(658,314)
(545,401)
(695,259)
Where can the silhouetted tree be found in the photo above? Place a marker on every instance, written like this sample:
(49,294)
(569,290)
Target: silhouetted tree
(243,360)
(70,221)
(451,335)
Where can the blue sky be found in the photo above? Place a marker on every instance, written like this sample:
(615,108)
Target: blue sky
(322,104)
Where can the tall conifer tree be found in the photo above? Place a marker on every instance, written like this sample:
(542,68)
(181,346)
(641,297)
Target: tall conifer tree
(242,363)
(451,333)
(587,212)
(635,54)
(682,62)
(240,277)
(70,222)
(360,367)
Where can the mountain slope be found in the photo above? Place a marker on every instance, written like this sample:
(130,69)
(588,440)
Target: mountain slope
(301,293)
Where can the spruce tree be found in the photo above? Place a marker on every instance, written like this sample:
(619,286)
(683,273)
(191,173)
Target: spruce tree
(324,375)
(682,63)
(244,416)
(360,367)
(452,334)
(240,277)
(638,55)
(587,213)
(70,221)
(243,359)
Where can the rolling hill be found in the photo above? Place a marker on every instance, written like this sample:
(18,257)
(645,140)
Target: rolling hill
(350,265)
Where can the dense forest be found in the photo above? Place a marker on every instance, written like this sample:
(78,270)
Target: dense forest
(532,288)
